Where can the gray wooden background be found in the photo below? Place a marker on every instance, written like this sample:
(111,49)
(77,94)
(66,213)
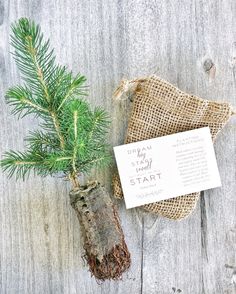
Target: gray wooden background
(191,44)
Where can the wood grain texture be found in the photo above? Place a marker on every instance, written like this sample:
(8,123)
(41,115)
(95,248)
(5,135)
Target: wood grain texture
(191,44)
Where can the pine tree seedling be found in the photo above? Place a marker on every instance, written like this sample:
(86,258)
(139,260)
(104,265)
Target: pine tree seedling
(71,141)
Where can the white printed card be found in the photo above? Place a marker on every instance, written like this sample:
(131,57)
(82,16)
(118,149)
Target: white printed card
(167,167)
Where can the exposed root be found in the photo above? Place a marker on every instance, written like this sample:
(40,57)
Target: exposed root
(112,265)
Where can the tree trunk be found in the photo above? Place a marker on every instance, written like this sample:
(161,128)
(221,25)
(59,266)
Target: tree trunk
(105,249)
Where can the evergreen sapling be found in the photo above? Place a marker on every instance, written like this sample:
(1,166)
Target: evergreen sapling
(71,141)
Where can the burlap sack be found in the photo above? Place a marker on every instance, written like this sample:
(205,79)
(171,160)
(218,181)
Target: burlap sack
(160,109)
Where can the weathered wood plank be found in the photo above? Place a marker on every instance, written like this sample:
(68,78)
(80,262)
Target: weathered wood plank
(190,256)
(40,246)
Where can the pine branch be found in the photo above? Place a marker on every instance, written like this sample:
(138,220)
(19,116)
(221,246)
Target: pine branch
(48,81)
(100,121)
(73,137)
(95,162)
(33,57)
(75,89)
(20,164)
(58,129)
(38,140)
(22,100)
(36,62)
(43,164)
(75,126)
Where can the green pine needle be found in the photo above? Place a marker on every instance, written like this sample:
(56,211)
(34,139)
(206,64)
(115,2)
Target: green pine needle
(72,139)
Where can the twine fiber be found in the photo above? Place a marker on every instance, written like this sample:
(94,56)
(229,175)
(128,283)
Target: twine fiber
(160,109)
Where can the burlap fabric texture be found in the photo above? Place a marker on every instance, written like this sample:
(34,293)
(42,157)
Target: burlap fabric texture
(160,109)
